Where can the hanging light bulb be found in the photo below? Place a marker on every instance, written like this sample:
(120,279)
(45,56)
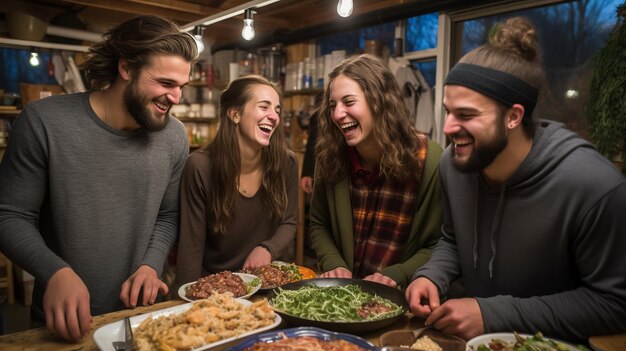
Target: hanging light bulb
(248,30)
(198,37)
(34,59)
(344,8)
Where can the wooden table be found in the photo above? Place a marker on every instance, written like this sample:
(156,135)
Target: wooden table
(42,339)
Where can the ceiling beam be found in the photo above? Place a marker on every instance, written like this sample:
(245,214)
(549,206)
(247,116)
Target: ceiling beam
(133,8)
(229,13)
(179,5)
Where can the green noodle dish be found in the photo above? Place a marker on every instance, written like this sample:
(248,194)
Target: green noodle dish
(334,304)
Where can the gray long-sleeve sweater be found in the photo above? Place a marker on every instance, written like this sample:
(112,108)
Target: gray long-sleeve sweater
(546,250)
(76,192)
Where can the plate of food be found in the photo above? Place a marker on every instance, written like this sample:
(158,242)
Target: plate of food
(516,341)
(352,306)
(279,273)
(195,326)
(303,338)
(241,285)
(420,339)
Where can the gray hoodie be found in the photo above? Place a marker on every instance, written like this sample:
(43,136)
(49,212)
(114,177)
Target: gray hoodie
(545,251)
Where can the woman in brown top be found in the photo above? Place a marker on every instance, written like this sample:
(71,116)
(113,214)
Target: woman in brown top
(239,193)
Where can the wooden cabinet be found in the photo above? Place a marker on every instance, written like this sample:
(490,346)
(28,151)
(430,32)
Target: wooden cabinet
(7,116)
(198,112)
(298,104)
(298,100)
(200,130)
(6,278)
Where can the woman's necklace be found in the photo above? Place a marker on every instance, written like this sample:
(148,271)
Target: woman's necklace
(249,182)
(241,189)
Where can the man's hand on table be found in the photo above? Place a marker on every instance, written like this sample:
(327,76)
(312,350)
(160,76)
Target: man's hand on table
(460,317)
(146,278)
(66,305)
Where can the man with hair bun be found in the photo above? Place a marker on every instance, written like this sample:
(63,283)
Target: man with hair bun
(534,227)
(89,182)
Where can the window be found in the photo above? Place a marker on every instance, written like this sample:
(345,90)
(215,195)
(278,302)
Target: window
(15,68)
(421,32)
(570,34)
(428,70)
(355,41)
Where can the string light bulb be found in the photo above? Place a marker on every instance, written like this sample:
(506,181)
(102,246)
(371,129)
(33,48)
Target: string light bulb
(248,29)
(198,38)
(34,59)
(344,8)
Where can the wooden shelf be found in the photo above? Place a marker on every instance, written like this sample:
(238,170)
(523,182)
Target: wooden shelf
(198,119)
(311,91)
(219,85)
(198,83)
(9,113)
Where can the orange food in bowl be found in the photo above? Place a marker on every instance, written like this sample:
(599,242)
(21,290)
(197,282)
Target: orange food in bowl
(306,273)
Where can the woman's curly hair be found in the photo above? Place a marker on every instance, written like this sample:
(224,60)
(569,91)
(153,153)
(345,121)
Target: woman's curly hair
(393,130)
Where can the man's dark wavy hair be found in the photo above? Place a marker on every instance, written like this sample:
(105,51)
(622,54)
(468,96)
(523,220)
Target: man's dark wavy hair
(136,41)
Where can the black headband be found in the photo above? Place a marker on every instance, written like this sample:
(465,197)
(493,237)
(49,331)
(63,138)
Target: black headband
(500,86)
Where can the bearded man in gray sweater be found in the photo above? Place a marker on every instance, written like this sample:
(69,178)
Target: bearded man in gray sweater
(89,182)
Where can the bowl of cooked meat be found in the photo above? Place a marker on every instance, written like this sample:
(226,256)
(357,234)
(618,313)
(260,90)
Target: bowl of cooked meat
(352,306)
(278,274)
(239,284)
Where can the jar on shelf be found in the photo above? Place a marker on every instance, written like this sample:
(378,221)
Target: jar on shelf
(248,65)
(208,110)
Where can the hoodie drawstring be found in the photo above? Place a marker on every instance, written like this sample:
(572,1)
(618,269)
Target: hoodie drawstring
(476,216)
(495,227)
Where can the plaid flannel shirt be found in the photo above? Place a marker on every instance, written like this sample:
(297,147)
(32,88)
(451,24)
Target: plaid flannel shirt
(382,214)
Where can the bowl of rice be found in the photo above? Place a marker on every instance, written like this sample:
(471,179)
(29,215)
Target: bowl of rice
(424,339)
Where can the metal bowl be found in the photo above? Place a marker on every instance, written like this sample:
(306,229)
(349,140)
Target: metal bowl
(394,295)
(25,26)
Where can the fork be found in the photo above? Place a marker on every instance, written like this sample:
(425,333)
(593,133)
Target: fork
(126,345)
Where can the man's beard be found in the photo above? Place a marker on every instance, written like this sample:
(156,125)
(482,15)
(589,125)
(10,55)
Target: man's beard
(136,105)
(482,156)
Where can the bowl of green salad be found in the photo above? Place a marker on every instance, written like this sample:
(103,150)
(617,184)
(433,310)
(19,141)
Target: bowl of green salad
(352,306)
(517,341)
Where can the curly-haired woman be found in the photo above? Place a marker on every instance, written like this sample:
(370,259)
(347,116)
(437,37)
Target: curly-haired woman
(376,207)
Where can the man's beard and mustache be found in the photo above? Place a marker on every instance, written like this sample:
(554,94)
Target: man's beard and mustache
(483,155)
(136,105)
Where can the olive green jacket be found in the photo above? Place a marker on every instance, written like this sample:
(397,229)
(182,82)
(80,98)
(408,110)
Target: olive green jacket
(332,232)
